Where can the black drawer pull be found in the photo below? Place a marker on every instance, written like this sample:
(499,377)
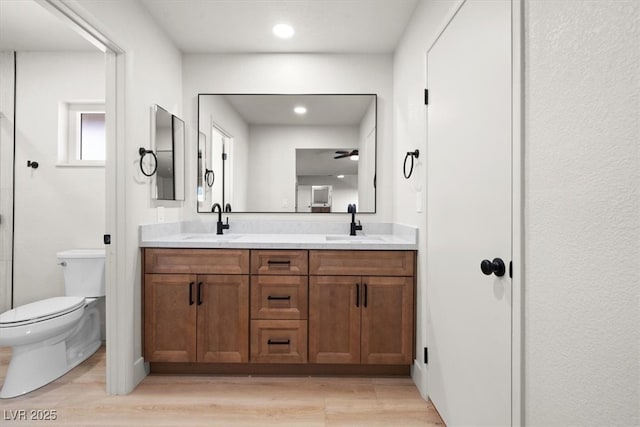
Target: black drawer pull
(365,295)
(279,262)
(191,293)
(278,342)
(276,297)
(357,294)
(199,293)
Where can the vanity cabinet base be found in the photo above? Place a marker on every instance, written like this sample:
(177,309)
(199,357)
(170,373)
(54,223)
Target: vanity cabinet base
(279,369)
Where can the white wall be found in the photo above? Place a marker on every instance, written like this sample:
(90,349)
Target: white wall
(272,161)
(56,208)
(582,215)
(153,73)
(409,132)
(293,73)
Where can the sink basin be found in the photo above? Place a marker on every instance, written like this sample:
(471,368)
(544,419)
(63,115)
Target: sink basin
(358,239)
(212,237)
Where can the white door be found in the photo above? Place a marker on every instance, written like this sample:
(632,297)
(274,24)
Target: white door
(469,216)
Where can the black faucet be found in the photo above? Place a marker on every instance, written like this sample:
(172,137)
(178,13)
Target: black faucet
(219,225)
(353,227)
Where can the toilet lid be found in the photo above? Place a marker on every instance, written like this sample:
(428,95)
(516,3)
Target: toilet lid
(40,310)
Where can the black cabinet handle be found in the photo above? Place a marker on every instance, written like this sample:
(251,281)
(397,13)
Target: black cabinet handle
(278,342)
(357,294)
(365,295)
(278,262)
(276,297)
(199,293)
(496,267)
(191,293)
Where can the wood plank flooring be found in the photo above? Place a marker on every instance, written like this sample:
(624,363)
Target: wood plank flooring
(79,399)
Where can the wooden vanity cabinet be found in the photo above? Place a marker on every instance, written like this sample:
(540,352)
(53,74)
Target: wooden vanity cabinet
(361,319)
(196,317)
(278,311)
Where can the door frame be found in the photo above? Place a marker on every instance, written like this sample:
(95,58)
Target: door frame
(517,201)
(119,367)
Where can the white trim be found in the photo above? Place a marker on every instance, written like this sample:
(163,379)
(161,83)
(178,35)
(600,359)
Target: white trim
(80,24)
(517,212)
(446,23)
(120,367)
(140,370)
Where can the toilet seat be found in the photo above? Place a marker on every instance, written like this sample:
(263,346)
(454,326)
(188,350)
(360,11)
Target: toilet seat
(40,311)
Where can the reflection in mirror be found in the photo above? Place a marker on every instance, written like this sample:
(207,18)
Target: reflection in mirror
(268,158)
(205,175)
(168,144)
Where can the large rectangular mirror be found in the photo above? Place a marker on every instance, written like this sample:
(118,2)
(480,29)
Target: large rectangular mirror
(287,153)
(168,145)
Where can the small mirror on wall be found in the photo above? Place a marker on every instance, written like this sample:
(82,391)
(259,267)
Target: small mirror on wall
(168,144)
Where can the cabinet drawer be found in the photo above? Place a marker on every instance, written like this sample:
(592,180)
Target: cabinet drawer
(279,297)
(196,261)
(361,263)
(278,341)
(279,262)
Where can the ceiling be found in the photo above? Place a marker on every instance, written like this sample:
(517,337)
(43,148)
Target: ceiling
(321,162)
(334,110)
(27,26)
(230,26)
(225,26)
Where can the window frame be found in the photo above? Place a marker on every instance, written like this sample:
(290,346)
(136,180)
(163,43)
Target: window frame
(70,132)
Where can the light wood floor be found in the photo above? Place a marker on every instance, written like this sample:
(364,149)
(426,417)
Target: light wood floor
(79,399)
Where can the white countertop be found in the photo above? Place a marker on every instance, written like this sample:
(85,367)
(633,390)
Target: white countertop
(271,236)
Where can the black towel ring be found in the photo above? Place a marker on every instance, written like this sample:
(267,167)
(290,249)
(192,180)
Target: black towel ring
(412,154)
(209,177)
(143,152)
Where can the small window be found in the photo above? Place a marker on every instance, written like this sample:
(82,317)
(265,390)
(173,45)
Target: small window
(82,134)
(92,137)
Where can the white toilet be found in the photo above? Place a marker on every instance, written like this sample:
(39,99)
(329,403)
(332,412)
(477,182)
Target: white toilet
(51,336)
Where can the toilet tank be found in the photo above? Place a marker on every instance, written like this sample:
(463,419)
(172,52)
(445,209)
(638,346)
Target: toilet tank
(83,272)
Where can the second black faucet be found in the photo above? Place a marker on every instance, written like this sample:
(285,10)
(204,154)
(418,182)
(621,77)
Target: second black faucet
(353,226)
(219,225)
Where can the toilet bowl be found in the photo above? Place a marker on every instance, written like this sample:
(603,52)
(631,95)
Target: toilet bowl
(51,336)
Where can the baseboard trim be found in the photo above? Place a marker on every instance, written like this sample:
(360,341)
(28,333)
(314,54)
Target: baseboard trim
(419,377)
(140,371)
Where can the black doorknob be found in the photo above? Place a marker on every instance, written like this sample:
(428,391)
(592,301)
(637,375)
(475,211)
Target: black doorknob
(493,267)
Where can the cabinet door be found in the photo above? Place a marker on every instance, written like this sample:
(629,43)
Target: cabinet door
(223,318)
(334,319)
(169,318)
(387,320)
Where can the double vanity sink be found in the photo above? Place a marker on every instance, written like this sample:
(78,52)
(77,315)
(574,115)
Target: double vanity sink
(290,240)
(278,298)
(279,235)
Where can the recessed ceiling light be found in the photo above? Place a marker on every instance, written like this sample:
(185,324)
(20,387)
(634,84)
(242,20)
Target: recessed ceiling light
(300,110)
(354,157)
(340,176)
(284,31)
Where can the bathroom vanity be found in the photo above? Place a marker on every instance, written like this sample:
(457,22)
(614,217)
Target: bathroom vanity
(278,304)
